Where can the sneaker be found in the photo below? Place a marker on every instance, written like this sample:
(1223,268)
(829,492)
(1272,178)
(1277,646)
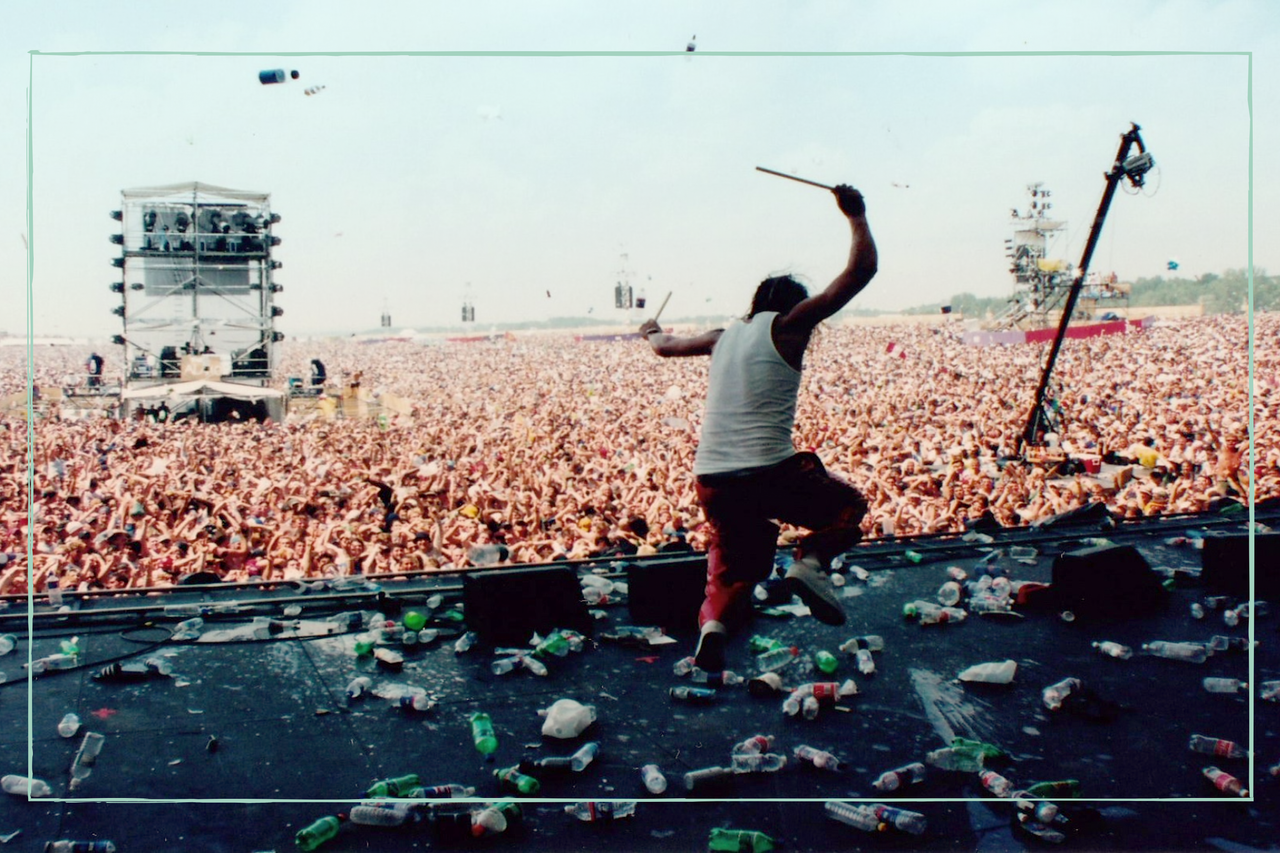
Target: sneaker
(816,590)
(710,654)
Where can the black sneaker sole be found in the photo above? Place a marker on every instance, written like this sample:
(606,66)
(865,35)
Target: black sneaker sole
(821,609)
(710,654)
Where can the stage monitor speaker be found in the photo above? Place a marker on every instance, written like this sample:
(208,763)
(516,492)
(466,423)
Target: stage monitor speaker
(667,593)
(1108,580)
(1095,514)
(506,606)
(1225,565)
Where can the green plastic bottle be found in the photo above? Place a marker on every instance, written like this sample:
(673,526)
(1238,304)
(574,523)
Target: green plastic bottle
(482,733)
(511,777)
(1064,789)
(311,837)
(396,787)
(913,556)
(826,662)
(554,644)
(364,645)
(759,645)
(976,747)
(745,840)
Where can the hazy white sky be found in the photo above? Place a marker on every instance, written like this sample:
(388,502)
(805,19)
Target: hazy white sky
(410,179)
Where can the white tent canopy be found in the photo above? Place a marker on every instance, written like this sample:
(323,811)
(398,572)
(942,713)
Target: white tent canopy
(201,388)
(203,193)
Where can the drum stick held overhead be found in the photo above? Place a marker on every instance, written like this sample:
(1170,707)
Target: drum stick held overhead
(793,178)
(660,307)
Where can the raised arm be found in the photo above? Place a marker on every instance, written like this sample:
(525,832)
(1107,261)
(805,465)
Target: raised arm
(857,273)
(669,346)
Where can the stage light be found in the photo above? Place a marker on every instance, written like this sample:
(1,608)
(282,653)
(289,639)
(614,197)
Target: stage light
(275,265)
(118,239)
(118,340)
(117,287)
(277,311)
(118,311)
(276,288)
(117,216)
(137,285)
(117,262)
(183,222)
(275,217)
(277,336)
(275,241)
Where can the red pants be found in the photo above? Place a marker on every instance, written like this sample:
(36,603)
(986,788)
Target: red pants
(741,509)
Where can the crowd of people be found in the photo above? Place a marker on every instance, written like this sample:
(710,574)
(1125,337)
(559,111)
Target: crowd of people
(537,448)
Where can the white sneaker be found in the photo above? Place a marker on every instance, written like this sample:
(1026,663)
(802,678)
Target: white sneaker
(816,590)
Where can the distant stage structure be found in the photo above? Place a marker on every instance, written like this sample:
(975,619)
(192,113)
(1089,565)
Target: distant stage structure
(197,287)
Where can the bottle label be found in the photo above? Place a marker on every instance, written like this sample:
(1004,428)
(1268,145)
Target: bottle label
(1223,748)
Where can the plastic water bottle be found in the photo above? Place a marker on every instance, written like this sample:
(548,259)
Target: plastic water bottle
(53,662)
(684,666)
(1190,652)
(763,762)
(513,779)
(482,733)
(1218,747)
(726,678)
(1224,685)
(949,593)
(694,695)
(908,774)
(86,757)
(66,846)
(995,783)
(465,642)
(991,673)
(8,642)
(69,725)
(1055,693)
(397,786)
(1269,691)
(743,840)
(1225,782)
(856,815)
(504,665)
(653,779)
(311,837)
(949,758)
(601,810)
(417,702)
(809,707)
(358,687)
(383,813)
(54,592)
(706,776)
(488,821)
(534,665)
(819,758)
(777,658)
(585,754)
(450,791)
(23,786)
(1115,650)
(826,662)
(907,821)
(753,745)
(871,642)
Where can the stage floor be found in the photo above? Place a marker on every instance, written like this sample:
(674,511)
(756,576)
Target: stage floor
(291,748)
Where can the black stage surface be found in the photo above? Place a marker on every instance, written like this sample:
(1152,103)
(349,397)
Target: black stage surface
(286,732)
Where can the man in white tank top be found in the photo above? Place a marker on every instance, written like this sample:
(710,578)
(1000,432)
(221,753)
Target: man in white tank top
(748,471)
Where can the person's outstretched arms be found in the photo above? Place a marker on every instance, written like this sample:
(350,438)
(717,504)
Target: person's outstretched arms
(669,346)
(859,271)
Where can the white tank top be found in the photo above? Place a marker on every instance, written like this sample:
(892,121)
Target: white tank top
(751,401)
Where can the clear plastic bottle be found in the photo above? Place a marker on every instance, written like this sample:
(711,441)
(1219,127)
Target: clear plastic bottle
(417,702)
(69,725)
(504,665)
(1225,782)
(809,707)
(1055,693)
(1115,650)
(1218,747)
(1000,672)
(8,642)
(358,687)
(86,757)
(487,821)
(907,821)
(66,846)
(1190,652)
(762,762)
(23,786)
(726,677)
(819,758)
(653,779)
(1197,610)
(54,592)
(534,665)
(1224,685)
(908,774)
(949,758)
(1269,691)
(465,642)
(684,666)
(995,783)
(584,756)
(859,816)
(984,603)
(949,593)
(694,695)
(777,658)
(52,662)
(383,813)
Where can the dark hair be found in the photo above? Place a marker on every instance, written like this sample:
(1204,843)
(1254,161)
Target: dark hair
(778,293)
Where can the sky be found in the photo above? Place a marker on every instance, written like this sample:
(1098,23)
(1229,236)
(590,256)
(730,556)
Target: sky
(528,185)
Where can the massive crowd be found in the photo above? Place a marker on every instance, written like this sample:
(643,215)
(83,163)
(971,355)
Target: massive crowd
(544,448)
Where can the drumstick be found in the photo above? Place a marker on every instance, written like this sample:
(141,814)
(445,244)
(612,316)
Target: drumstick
(793,178)
(660,307)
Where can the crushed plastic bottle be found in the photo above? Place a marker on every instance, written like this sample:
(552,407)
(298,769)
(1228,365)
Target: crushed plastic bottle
(488,821)
(1055,693)
(1042,811)
(1225,782)
(1189,652)
(1114,650)
(465,642)
(819,758)
(358,687)
(8,642)
(761,762)
(809,707)
(949,593)
(653,779)
(1218,747)
(1269,691)
(24,786)
(566,718)
(753,745)
(1224,685)
(949,758)
(69,725)
(991,673)
(859,816)
(68,846)
(908,774)
(740,841)
(995,783)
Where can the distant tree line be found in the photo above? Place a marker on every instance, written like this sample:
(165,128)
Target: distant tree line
(1220,294)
